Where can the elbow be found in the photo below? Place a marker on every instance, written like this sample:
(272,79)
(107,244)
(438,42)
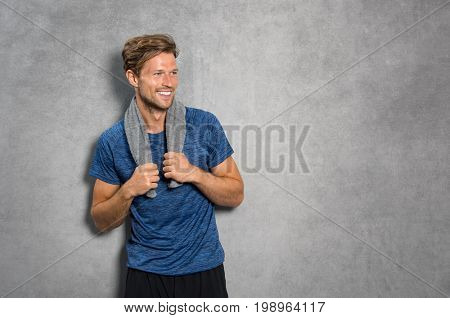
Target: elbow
(99,225)
(239,198)
(96,222)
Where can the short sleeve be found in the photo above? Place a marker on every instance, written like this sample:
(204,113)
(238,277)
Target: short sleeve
(102,166)
(219,148)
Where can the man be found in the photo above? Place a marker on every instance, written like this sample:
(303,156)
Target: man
(174,248)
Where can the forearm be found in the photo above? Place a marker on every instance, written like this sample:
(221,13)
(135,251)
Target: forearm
(224,191)
(112,212)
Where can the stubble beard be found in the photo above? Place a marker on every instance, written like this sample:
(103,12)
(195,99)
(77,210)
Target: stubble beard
(153,105)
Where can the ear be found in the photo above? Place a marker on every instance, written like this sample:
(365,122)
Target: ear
(132,78)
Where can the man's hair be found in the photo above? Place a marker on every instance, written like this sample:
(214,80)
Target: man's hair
(140,49)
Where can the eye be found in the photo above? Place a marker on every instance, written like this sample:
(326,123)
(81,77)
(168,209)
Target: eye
(175,73)
(157,73)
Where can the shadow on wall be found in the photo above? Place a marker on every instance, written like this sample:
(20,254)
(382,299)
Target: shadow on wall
(122,93)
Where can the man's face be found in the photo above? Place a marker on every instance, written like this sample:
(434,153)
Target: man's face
(158,81)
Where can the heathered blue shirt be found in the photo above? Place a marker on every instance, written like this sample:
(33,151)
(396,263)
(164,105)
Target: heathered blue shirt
(174,233)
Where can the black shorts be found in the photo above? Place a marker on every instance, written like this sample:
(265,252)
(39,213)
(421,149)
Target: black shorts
(206,284)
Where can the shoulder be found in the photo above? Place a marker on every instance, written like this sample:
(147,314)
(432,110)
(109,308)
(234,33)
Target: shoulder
(198,116)
(111,135)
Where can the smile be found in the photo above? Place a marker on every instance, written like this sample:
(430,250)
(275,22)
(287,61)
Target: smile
(165,93)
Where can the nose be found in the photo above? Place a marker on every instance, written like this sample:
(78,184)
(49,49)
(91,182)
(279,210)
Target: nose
(167,80)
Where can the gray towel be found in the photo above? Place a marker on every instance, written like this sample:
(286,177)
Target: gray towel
(135,130)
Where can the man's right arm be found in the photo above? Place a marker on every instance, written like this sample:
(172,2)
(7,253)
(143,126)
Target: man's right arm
(111,203)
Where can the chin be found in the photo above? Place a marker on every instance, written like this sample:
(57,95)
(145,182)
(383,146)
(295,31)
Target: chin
(155,103)
(166,104)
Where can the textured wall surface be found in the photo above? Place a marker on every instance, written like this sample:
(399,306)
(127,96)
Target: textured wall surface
(369,217)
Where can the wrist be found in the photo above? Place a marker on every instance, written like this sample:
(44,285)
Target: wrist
(126,192)
(197,175)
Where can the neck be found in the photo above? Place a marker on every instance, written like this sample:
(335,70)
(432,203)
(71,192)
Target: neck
(154,117)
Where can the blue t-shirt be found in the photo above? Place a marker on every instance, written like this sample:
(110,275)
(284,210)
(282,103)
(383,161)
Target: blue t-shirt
(174,233)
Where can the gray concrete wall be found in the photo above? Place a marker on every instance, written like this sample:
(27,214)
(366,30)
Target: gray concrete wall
(367,82)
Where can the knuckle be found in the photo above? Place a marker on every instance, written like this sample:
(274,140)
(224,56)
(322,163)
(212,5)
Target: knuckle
(153,179)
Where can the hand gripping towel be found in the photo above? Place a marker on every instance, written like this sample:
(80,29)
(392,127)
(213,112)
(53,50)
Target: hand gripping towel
(139,143)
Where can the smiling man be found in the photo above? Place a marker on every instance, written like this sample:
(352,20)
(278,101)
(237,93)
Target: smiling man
(174,248)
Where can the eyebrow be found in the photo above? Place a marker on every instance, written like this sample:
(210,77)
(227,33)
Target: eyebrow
(175,69)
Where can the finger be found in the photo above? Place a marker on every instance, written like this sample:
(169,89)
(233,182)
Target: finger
(146,167)
(149,165)
(150,172)
(169,155)
(167,168)
(168,175)
(168,162)
(154,179)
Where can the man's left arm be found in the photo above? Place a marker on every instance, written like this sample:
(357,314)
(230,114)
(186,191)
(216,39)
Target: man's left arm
(222,186)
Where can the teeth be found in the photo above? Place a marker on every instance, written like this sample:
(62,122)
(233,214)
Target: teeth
(165,93)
